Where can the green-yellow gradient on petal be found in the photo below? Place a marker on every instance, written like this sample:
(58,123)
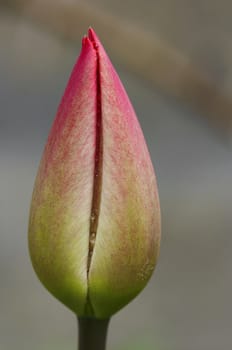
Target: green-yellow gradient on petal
(61,203)
(128,235)
(94,230)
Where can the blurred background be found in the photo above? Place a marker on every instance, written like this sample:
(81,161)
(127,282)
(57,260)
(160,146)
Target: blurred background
(174,58)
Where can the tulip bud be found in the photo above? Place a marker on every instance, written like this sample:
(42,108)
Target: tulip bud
(94,229)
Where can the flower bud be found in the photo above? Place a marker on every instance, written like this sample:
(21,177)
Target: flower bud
(94,229)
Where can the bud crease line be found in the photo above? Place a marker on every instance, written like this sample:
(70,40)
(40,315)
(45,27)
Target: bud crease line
(97,185)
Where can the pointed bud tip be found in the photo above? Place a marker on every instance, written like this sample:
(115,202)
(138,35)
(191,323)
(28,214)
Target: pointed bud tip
(90,40)
(85,42)
(93,37)
(91,34)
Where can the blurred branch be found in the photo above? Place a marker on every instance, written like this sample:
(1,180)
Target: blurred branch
(139,51)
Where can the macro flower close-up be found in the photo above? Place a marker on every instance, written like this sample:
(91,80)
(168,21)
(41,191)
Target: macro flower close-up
(115,126)
(94,230)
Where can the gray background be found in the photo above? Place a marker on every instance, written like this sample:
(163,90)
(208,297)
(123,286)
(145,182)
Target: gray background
(187,304)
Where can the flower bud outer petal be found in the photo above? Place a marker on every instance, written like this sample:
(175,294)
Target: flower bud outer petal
(61,203)
(128,235)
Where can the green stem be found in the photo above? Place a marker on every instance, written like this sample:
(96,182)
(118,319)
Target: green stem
(92,334)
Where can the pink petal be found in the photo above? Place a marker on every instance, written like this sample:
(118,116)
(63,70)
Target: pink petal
(128,231)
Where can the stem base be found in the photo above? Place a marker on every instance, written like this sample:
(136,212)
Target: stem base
(92,333)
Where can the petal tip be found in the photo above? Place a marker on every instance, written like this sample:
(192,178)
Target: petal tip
(93,37)
(86,42)
(91,33)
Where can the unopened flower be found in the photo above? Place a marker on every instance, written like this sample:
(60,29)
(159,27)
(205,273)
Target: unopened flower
(94,229)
